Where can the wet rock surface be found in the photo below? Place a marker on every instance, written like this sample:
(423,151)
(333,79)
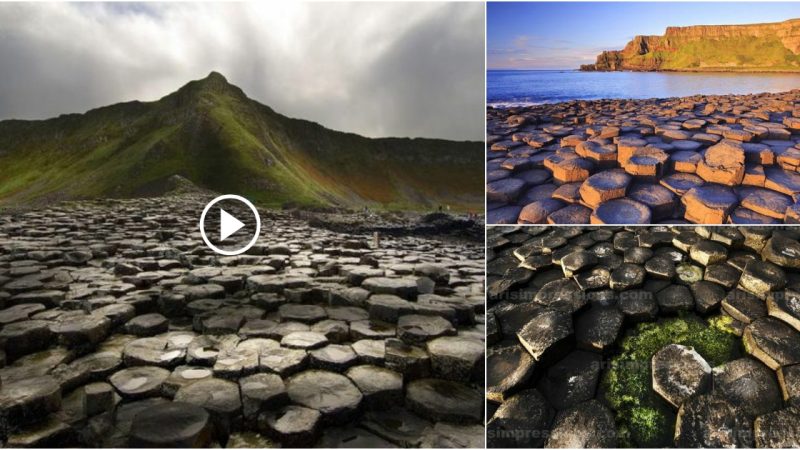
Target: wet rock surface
(699,159)
(120,328)
(564,302)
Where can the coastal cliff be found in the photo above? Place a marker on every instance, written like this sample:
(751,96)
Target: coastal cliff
(767,47)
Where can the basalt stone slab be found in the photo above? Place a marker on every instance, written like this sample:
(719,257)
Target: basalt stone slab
(397,425)
(783,251)
(283,361)
(537,211)
(598,328)
(219,397)
(762,277)
(550,328)
(586,425)
(507,370)
(28,400)
(416,329)
(785,305)
(708,252)
(571,380)
(627,276)
(25,337)
(332,394)
(333,357)
(261,392)
(679,372)
(171,424)
(638,305)
(709,203)
(711,421)
(604,186)
(789,380)
(674,298)
(743,306)
(772,342)
(577,261)
(621,211)
(139,382)
(707,295)
(596,278)
(293,425)
(748,385)
(457,358)
(779,429)
(564,294)
(378,385)
(442,400)
(523,421)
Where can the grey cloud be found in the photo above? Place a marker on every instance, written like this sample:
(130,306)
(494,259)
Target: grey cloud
(388,69)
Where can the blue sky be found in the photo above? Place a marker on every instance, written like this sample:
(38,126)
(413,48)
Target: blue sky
(564,35)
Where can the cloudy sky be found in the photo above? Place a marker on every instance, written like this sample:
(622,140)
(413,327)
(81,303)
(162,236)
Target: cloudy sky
(564,35)
(413,69)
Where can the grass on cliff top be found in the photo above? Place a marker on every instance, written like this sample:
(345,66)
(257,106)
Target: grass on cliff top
(643,418)
(730,54)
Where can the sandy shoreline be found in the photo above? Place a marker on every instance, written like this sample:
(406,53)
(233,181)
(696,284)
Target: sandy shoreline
(698,159)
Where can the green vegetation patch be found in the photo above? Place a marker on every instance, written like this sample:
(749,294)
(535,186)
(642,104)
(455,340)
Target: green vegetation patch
(643,418)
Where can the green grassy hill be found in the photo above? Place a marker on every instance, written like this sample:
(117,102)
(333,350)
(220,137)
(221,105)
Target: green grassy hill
(210,133)
(770,47)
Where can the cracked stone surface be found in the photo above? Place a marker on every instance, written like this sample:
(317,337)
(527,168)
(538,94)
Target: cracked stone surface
(564,303)
(699,159)
(119,328)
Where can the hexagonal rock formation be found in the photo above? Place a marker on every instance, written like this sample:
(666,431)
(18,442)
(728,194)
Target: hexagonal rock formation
(740,153)
(780,429)
(749,385)
(527,411)
(711,421)
(128,331)
(773,342)
(679,372)
(586,425)
(599,314)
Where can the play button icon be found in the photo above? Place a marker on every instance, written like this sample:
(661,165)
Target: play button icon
(231,221)
(228,225)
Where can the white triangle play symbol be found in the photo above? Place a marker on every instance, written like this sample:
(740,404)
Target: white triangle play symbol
(228,225)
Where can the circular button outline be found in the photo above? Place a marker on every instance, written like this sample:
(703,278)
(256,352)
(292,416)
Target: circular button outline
(203,228)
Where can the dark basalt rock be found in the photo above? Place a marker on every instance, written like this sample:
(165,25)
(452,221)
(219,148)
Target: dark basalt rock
(549,329)
(586,425)
(507,370)
(522,421)
(680,372)
(772,342)
(748,385)
(711,421)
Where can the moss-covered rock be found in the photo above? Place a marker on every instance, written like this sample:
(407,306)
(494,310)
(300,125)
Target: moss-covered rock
(643,418)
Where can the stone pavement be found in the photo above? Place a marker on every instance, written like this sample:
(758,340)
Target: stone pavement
(120,328)
(700,159)
(576,314)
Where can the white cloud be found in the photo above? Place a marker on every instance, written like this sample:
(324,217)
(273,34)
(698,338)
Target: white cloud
(378,69)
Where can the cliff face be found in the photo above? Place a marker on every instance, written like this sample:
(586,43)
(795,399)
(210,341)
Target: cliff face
(757,47)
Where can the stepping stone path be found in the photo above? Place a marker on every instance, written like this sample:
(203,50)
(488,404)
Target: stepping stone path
(554,327)
(120,328)
(699,159)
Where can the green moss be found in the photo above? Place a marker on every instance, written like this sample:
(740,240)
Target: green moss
(646,420)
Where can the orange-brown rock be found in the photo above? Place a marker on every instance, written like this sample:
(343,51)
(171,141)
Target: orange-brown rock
(723,163)
(604,186)
(709,204)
